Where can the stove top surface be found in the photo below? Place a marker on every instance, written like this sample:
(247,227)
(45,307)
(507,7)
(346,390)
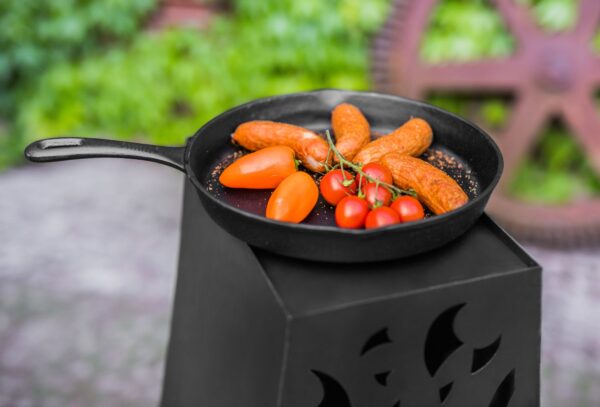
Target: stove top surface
(306,287)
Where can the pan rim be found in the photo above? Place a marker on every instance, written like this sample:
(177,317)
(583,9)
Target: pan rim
(397,228)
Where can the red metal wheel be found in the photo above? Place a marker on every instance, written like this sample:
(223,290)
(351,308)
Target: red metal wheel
(188,13)
(550,75)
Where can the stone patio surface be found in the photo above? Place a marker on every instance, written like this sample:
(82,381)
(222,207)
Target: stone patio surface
(88,253)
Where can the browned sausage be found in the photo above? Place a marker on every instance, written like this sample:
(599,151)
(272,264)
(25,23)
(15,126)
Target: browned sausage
(310,148)
(412,138)
(351,129)
(438,191)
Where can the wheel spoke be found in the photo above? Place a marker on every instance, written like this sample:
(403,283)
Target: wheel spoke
(517,18)
(589,17)
(583,118)
(485,75)
(594,70)
(529,115)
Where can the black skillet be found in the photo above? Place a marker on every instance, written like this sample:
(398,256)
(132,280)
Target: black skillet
(463,150)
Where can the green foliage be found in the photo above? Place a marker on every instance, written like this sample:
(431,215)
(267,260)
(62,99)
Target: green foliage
(556,173)
(553,15)
(462,31)
(36,34)
(491,111)
(167,84)
(596,42)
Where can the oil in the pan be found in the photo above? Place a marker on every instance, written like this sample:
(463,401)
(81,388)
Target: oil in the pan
(255,201)
(448,162)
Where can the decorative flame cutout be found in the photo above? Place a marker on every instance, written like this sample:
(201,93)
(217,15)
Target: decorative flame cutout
(441,340)
(483,356)
(445,391)
(379,338)
(505,391)
(440,344)
(382,378)
(334,394)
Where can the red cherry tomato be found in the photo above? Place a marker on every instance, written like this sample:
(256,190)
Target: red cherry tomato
(377,196)
(332,186)
(382,216)
(409,208)
(376,171)
(351,212)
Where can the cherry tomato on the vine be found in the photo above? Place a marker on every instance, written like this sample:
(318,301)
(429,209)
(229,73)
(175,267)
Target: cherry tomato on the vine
(376,195)
(382,216)
(375,171)
(336,185)
(351,212)
(409,208)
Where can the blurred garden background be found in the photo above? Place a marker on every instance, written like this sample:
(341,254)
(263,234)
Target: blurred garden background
(90,68)
(155,71)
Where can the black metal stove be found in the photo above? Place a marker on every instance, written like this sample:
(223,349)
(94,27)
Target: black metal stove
(459,326)
(456,326)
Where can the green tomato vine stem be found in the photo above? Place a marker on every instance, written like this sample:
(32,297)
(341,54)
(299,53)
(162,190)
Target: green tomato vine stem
(358,169)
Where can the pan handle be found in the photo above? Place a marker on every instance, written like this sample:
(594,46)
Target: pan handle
(70,148)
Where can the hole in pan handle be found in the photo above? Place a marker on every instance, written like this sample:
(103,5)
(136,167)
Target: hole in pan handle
(71,148)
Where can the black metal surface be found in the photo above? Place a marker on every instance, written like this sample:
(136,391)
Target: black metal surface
(71,148)
(478,168)
(456,327)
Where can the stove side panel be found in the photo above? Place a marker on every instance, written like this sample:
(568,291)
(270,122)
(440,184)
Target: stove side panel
(473,343)
(228,327)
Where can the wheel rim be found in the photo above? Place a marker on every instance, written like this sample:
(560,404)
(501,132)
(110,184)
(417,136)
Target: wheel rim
(551,75)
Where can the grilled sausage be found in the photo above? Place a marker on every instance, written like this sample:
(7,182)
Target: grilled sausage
(412,138)
(438,191)
(310,148)
(351,129)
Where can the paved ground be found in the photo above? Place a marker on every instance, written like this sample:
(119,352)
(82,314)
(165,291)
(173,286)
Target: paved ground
(87,263)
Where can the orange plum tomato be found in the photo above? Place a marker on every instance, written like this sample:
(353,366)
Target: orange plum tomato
(293,199)
(382,216)
(336,185)
(409,208)
(262,169)
(351,212)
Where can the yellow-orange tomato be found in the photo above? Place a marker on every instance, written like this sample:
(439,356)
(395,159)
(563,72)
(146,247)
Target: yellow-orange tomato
(263,169)
(293,199)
